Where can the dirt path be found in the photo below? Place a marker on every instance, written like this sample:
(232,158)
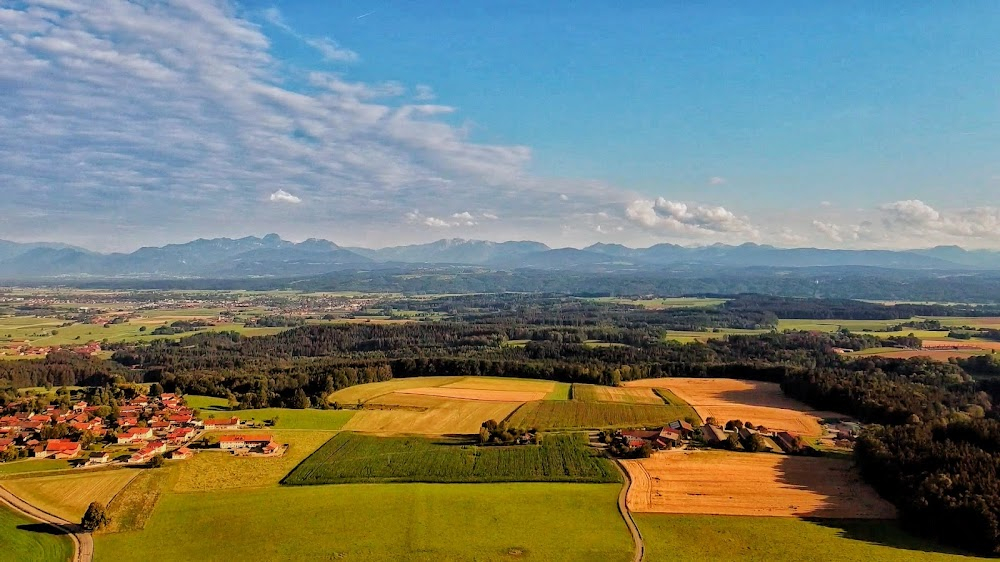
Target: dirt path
(640,546)
(83,543)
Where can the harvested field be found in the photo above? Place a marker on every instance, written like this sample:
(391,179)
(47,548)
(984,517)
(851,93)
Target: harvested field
(428,415)
(354,458)
(365,392)
(935,354)
(574,414)
(68,495)
(477,394)
(761,403)
(971,344)
(722,483)
(620,394)
(498,383)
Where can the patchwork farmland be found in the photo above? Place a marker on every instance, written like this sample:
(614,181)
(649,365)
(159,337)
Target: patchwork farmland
(762,403)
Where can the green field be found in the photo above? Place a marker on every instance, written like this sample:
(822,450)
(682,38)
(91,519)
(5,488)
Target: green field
(32,465)
(354,458)
(23,540)
(561,392)
(287,418)
(573,414)
(376,522)
(691,538)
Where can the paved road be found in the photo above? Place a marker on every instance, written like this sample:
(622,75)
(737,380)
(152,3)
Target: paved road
(83,542)
(640,546)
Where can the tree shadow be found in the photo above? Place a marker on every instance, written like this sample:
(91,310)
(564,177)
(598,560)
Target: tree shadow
(889,533)
(42,528)
(848,505)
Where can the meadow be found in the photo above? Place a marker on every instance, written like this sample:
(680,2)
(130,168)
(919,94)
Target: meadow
(31,465)
(24,540)
(68,495)
(353,458)
(375,522)
(697,538)
(219,470)
(574,414)
(283,418)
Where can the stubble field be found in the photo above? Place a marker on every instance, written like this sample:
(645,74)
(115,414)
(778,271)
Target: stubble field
(756,484)
(68,495)
(760,403)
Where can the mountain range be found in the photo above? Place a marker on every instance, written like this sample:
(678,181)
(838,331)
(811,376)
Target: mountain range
(271,256)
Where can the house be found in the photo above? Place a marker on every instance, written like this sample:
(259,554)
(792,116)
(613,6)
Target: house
(6,444)
(99,457)
(62,448)
(713,434)
(786,441)
(180,435)
(148,452)
(234,442)
(684,428)
(182,453)
(180,419)
(135,434)
(230,423)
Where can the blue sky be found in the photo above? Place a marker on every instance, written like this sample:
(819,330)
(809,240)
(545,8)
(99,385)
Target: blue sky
(849,124)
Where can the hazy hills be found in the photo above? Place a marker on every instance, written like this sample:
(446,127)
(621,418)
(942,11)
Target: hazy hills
(271,256)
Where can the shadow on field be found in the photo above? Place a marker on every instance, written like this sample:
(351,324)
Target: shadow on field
(42,528)
(883,532)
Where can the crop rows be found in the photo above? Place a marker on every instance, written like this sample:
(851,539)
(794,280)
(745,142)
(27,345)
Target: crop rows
(350,458)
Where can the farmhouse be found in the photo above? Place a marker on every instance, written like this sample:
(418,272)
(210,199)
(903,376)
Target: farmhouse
(62,448)
(713,434)
(182,453)
(786,441)
(685,429)
(180,435)
(99,457)
(230,423)
(148,452)
(135,434)
(234,442)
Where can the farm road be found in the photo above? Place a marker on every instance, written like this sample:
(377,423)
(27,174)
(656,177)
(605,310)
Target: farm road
(640,546)
(83,543)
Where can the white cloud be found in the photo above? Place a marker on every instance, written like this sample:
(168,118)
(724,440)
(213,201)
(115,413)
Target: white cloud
(825,204)
(332,51)
(915,216)
(282,196)
(423,92)
(716,180)
(463,218)
(490,216)
(563,197)
(681,218)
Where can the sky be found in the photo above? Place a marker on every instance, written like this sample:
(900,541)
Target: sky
(375,123)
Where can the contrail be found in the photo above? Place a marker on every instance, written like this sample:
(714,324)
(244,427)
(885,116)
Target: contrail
(365,15)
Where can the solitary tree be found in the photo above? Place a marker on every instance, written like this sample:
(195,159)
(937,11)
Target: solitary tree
(95,518)
(156,461)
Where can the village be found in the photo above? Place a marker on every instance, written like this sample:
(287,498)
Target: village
(734,435)
(144,431)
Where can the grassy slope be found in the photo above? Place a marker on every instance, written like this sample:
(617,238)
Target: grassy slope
(682,538)
(575,414)
(351,458)
(430,522)
(32,542)
(69,495)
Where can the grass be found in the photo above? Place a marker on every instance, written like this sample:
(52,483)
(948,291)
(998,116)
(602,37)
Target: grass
(68,495)
(287,418)
(24,540)
(32,465)
(573,414)
(219,470)
(622,395)
(681,538)
(133,505)
(353,458)
(375,522)
(561,392)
